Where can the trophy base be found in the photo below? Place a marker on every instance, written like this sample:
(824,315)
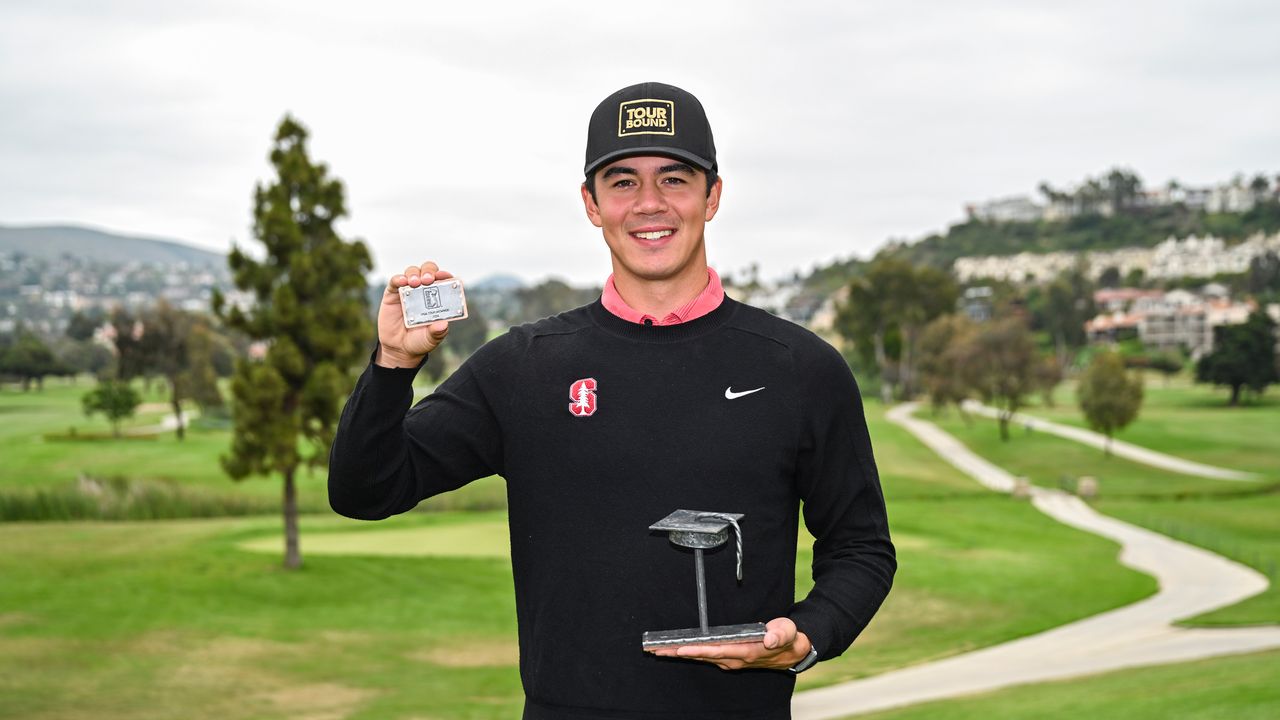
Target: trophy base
(715,635)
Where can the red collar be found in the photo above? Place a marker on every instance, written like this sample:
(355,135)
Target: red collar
(706,301)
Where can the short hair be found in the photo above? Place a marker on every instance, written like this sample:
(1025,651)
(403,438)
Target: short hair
(590,182)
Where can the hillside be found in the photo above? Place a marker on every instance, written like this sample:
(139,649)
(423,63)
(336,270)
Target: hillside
(52,242)
(1142,227)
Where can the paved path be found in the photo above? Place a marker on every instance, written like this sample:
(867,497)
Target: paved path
(168,423)
(1129,451)
(1192,581)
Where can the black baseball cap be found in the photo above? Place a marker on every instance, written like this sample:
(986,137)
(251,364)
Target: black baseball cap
(650,119)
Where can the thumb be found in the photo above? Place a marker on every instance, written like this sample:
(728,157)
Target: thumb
(438,330)
(779,632)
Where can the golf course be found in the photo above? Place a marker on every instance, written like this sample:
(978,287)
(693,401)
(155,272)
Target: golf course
(138,581)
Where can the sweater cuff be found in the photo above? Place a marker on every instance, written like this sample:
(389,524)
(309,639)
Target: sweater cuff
(811,621)
(405,375)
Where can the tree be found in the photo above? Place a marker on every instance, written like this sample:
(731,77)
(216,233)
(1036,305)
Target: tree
(83,356)
(310,310)
(894,297)
(1244,356)
(1123,188)
(930,293)
(465,337)
(116,399)
(81,326)
(941,359)
(1108,396)
(1048,375)
(165,336)
(29,358)
(1168,363)
(1062,308)
(866,317)
(1259,187)
(1264,273)
(999,364)
(126,335)
(204,345)
(550,297)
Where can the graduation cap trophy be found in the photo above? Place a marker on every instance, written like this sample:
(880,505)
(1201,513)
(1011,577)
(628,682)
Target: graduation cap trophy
(702,531)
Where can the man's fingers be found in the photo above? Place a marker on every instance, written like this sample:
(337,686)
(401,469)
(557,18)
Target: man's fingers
(423,274)
(779,633)
(736,651)
(416,275)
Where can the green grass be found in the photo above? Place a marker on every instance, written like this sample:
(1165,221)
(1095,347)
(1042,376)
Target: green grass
(1236,519)
(173,618)
(1245,529)
(33,461)
(168,619)
(1237,688)
(1051,461)
(1192,422)
(153,477)
(178,619)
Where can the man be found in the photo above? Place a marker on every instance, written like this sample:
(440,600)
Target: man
(663,394)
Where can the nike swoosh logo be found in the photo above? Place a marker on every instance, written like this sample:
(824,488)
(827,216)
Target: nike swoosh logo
(729,394)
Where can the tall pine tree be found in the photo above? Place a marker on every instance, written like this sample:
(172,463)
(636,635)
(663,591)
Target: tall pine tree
(310,313)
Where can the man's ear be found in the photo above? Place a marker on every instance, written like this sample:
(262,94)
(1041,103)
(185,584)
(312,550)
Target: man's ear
(713,198)
(589,203)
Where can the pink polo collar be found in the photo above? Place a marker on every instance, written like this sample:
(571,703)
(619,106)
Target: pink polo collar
(706,301)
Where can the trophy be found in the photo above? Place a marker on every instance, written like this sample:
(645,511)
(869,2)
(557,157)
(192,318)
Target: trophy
(701,531)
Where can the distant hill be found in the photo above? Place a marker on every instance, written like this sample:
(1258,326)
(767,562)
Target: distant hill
(52,242)
(1140,227)
(497,283)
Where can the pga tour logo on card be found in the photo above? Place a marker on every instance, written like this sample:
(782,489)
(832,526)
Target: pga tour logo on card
(583,394)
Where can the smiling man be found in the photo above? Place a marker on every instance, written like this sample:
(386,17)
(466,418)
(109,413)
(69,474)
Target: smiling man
(663,394)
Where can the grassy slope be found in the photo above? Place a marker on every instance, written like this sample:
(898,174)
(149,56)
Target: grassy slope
(1210,513)
(1246,529)
(33,462)
(1192,422)
(165,619)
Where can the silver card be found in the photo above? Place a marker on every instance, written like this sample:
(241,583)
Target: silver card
(441,300)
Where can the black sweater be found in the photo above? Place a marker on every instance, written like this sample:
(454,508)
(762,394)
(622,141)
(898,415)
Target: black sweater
(582,490)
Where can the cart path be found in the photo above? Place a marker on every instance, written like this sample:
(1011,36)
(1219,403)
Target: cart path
(1192,581)
(168,423)
(1129,451)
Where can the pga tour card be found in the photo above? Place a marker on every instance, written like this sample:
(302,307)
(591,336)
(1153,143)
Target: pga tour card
(441,300)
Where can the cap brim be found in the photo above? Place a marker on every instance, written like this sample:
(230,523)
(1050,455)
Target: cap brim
(660,150)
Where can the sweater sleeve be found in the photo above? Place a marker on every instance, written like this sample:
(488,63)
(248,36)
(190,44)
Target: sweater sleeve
(387,457)
(853,557)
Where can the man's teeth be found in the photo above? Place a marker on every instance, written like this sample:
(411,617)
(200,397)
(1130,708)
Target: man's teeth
(657,235)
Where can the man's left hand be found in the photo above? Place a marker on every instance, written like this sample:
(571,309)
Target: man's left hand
(783,646)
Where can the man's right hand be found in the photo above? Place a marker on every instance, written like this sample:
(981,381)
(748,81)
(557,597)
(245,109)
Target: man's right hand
(399,346)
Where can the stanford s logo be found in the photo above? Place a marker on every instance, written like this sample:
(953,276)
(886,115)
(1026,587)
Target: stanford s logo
(583,394)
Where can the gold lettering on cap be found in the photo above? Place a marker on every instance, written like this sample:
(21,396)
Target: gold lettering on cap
(646,117)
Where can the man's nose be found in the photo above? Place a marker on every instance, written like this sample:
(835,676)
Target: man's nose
(650,200)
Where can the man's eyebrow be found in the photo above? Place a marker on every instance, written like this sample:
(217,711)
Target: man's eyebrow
(676,167)
(618,170)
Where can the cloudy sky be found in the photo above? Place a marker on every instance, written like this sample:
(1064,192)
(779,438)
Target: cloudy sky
(459,128)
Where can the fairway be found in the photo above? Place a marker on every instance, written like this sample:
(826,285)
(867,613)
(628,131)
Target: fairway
(194,618)
(477,539)
(1235,519)
(1192,422)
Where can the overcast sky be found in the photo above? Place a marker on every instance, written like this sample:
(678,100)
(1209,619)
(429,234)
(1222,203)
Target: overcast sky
(459,128)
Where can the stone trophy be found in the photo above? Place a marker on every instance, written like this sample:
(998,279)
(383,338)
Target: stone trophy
(702,531)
